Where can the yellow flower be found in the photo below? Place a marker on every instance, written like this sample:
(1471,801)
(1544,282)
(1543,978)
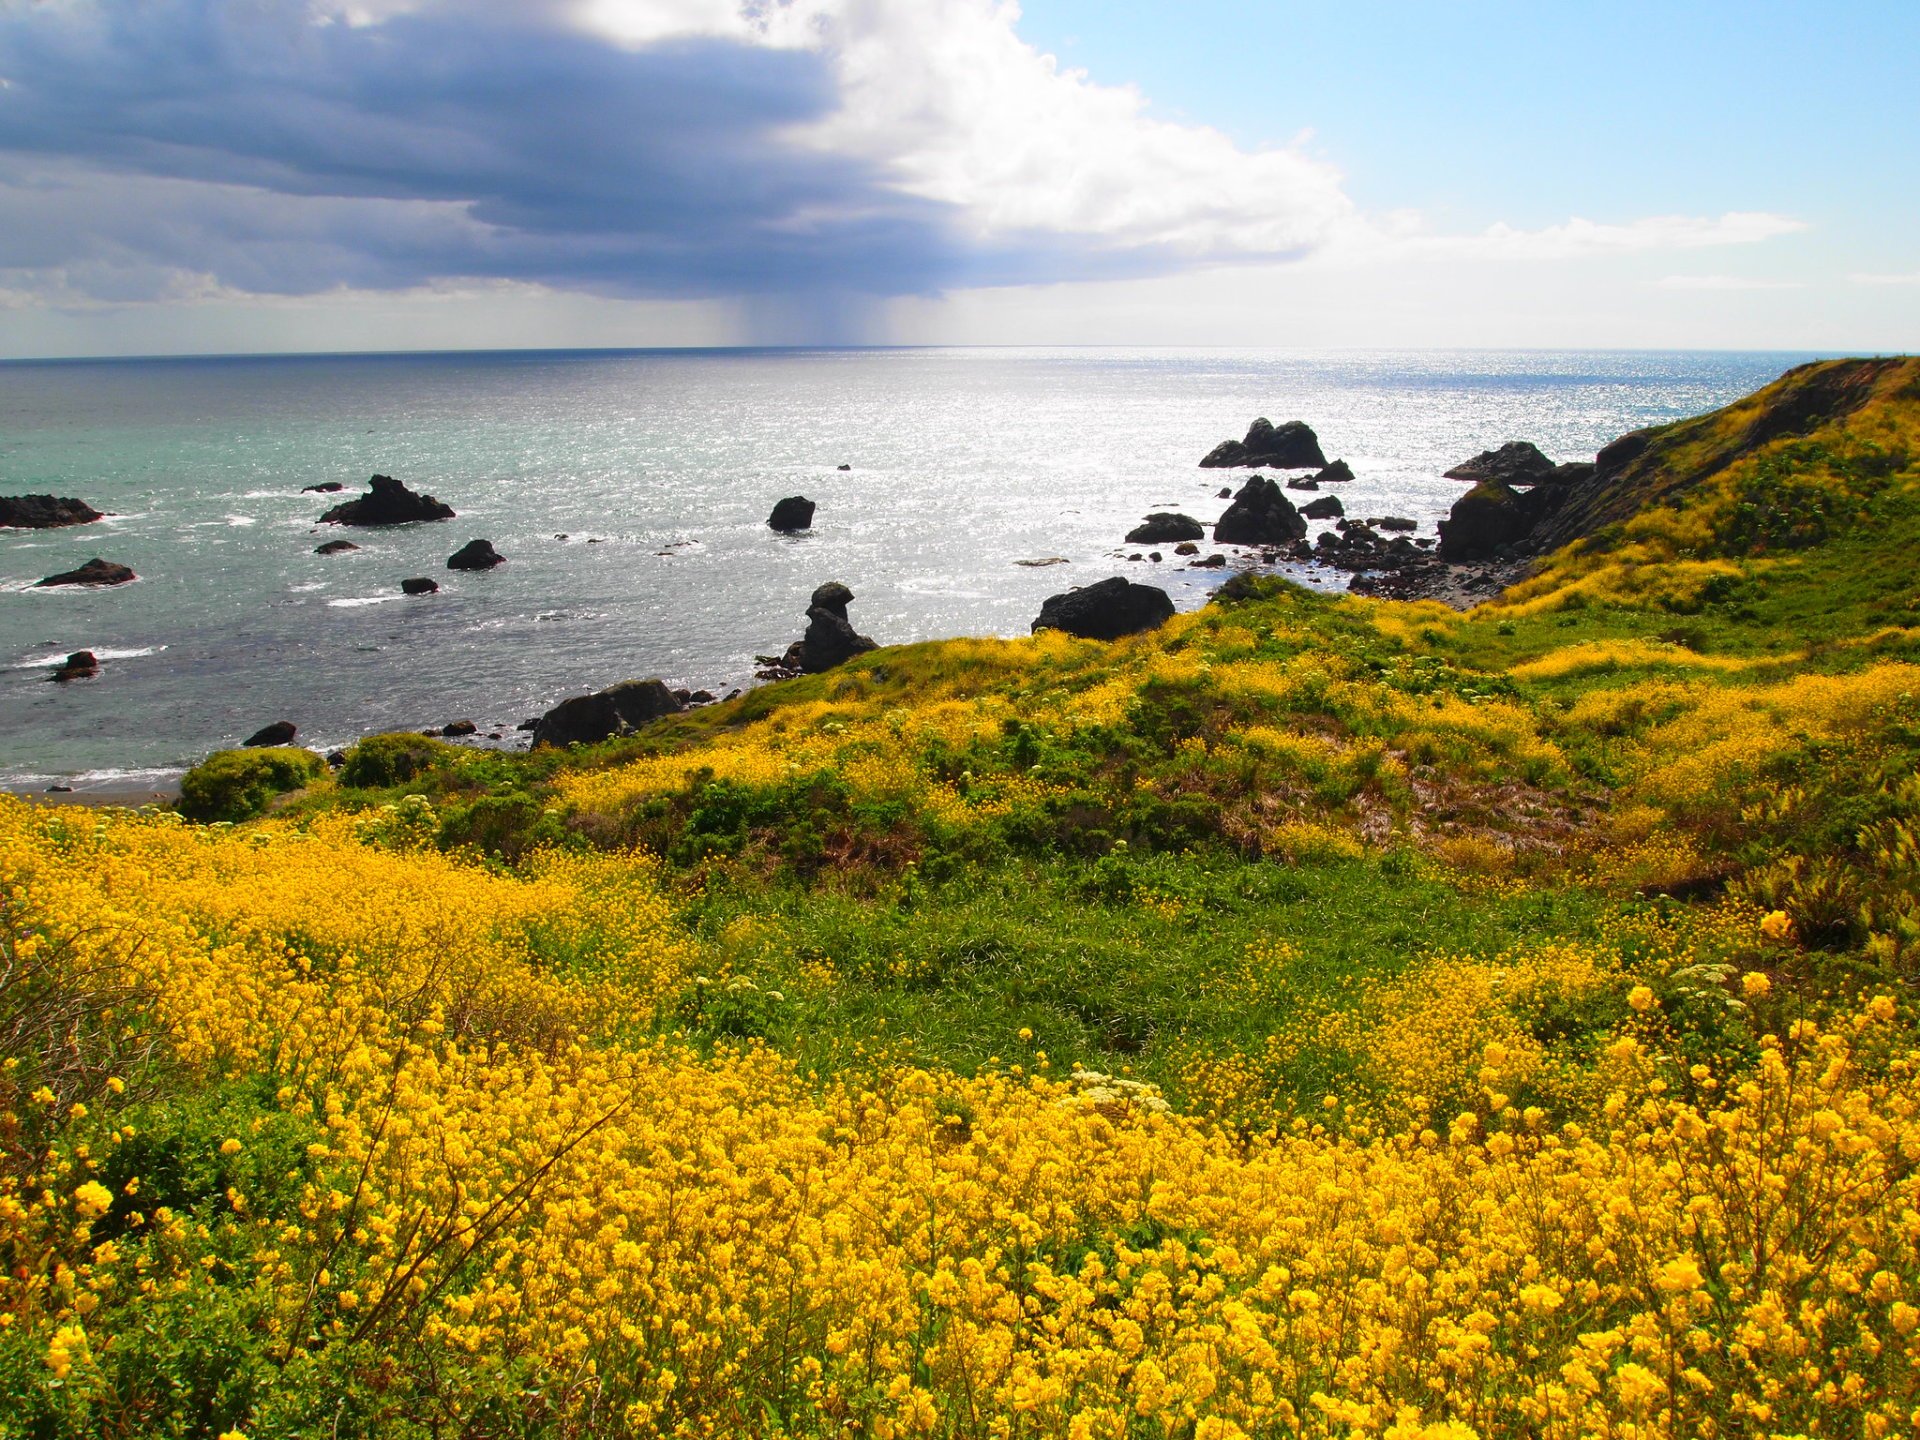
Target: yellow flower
(1756,983)
(230,1146)
(1678,1274)
(1776,925)
(1640,998)
(92,1199)
(67,1347)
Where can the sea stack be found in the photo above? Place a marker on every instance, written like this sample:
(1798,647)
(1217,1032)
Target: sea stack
(387,502)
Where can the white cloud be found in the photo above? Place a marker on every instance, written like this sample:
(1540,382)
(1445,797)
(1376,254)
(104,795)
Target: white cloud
(1910,279)
(1578,238)
(1723,282)
(956,108)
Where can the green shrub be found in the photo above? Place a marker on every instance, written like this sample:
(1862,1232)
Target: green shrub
(383,760)
(238,784)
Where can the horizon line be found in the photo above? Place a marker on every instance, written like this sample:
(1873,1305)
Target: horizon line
(801,349)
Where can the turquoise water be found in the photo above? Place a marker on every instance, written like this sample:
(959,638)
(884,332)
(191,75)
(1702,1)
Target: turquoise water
(658,469)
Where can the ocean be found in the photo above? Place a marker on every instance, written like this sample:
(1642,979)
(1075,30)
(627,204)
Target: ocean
(629,493)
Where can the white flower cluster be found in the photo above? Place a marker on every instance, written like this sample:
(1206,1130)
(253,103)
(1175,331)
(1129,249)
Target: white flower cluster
(1101,1090)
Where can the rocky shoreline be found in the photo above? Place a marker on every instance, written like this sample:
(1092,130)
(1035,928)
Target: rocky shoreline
(1472,558)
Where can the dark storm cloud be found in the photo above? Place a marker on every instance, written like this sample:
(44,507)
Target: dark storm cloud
(280,155)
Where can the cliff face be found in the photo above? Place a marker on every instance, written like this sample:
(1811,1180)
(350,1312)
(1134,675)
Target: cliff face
(1659,465)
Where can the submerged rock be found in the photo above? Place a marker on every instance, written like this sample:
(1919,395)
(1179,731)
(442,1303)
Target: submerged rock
(387,502)
(791,514)
(1260,515)
(95,572)
(335,547)
(45,512)
(1106,611)
(617,710)
(325,487)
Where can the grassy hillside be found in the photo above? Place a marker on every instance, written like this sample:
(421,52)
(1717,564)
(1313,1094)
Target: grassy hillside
(1320,1016)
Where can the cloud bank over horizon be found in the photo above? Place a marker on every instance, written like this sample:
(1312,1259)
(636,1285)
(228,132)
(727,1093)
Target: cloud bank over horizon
(763,151)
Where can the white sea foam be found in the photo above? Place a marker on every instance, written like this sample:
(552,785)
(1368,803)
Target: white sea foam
(40,662)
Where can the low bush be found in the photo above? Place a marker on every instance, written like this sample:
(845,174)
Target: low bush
(383,760)
(239,784)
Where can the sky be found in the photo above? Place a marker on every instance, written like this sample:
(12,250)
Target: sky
(222,176)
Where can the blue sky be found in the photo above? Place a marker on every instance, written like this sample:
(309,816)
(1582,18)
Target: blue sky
(206,175)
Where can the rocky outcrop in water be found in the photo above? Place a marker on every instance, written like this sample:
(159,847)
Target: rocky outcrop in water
(80,665)
(95,572)
(1260,515)
(792,514)
(1164,527)
(419,585)
(1106,611)
(617,710)
(830,639)
(1337,473)
(45,512)
(335,547)
(475,555)
(1518,462)
(387,502)
(1327,507)
(1292,446)
(325,487)
(280,732)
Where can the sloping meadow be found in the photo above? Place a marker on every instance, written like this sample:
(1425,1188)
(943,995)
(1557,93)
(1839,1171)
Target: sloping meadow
(1319,1016)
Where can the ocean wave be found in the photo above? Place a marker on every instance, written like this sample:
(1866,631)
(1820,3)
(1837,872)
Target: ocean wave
(355,602)
(41,662)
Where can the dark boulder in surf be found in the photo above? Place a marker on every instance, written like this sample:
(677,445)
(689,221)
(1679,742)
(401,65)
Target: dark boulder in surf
(45,512)
(1163,527)
(791,514)
(475,555)
(1260,515)
(80,665)
(95,572)
(1518,462)
(387,502)
(1292,446)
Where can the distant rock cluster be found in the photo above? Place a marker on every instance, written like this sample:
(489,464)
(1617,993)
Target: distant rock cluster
(1292,446)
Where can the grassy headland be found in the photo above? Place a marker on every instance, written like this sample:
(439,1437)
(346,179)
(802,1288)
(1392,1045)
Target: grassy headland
(1319,1016)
